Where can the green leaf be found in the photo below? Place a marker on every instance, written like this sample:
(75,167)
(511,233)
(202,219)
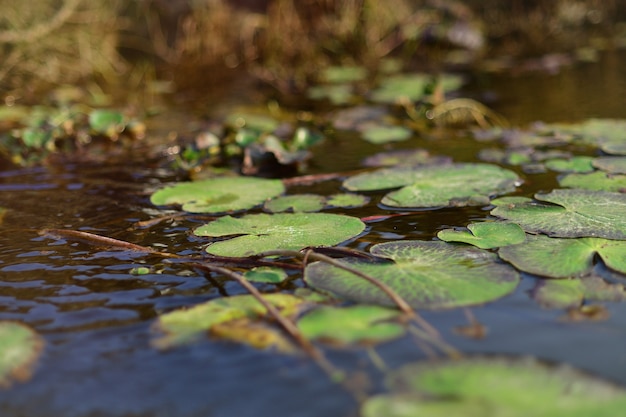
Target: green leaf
(380,134)
(611,164)
(567,213)
(486,235)
(579,164)
(262,232)
(479,387)
(346,200)
(405,157)
(107,122)
(356,324)
(20,347)
(252,121)
(393,89)
(266,274)
(570,293)
(562,258)
(219,195)
(429,275)
(435,186)
(185,325)
(295,203)
(343,74)
(599,181)
(337,94)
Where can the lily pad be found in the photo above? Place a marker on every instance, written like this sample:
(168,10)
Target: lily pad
(562,258)
(337,94)
(262,232)
(381,134)
(20,347)
(107,122)
(580,164)
(479,387)
(405,157)
(343,74)
(570,293)
(185,325)
(611,164)
(346,200)
(567,213)
(486,235)
(430,275)
(253,333)
(436,186)
(295,203)
(599,181)
(395,88)
(219,195)
(266,274)
(356,324)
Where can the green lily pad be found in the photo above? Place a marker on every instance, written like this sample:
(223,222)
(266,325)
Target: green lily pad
(337,94)
(435,186)
(562,258)
(570,293)
(395,88)
(253,333)
(598,131)
(430,275)
(343,74)
(185,325)
(262,232)
(486,235)
(479,387)
(567,213)
(219,195)
(346,200)
(20,347)
(266,274)
(599,181)
(354,324)
(253,121)
(107,122)
(611,164)
(580,164)
(405,157)
(380,134)
(295,203)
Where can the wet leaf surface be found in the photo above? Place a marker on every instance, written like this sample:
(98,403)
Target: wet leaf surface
(485,235)
(300,203)
(219,195)
(20,347)
(430,275)
(581,164)
(567,213)
(494,387)
(610,164)
(266,274)
(599,181)
(262,232)
(405,157)
(436,186)
(570,293)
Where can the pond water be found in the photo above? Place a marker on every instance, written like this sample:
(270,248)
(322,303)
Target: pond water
(96,316)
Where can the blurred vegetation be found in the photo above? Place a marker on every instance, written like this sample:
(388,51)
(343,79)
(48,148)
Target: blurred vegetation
(283,42)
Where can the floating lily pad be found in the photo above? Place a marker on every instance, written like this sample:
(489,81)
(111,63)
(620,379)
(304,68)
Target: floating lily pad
(266,274)
(343,74)
(106,122)
(611,164)
(580,164)
(601,132)
(599,181)
(347,325)
(295,203)
(562,258)
(337,94)
(257,122)
(185,325)
(405,157)
(381,134)
(346,200)
(395,88)
(262,232)
(20,347)
(479,387)
(570,293)
(253,333)
(573,213)
(435,186)
(429,275)
(486,235)
(219,195)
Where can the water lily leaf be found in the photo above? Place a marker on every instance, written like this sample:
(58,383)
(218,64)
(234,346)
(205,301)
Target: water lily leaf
(262,232)
(185,325)
(20,347)
(343,74)
(575,256)
(106,122)
(430,275)
(219,195)
(434,186)
(351,324)
(599,181)
(253,121)
(611,164)
(395,88)
(337,94)
(486,235)
(380,134)
(476,387)
(295,203)
(346,200)
(567,213)
(570,293)
(405,157)
(266,274)
(598,131)
(581,164)
(254,334)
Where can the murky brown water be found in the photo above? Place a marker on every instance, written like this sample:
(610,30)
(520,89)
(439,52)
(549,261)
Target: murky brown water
(96,316)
